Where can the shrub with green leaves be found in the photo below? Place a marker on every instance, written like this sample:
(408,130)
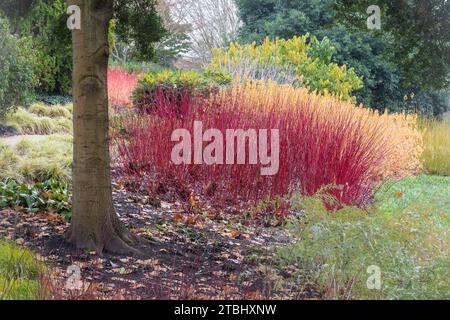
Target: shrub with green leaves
(46,24)
(16,69)
(300,61)
(51,99)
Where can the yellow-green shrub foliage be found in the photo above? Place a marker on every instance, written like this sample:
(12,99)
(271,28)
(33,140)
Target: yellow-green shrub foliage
(300,61)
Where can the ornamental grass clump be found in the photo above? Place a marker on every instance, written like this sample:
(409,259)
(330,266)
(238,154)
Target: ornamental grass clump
(436,155)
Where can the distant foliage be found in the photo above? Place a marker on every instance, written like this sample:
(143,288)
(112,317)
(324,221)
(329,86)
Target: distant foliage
(136,67)
(427,103)
(300,61)
(45,25)
(392,63)
(139,23)
(20,271)
(16,71)
(420,39)
(52,99)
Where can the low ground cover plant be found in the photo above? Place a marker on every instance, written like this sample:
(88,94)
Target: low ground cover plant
(414,192)
(40,119)
(51,111)
(50,196)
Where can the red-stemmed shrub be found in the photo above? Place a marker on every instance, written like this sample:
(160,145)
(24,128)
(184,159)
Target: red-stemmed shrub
(121,85)
(323,143)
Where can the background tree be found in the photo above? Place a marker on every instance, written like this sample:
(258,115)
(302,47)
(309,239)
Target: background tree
(44,23)
(420,47)
(95,224)
(420,36)
(139,22)
(176,43)
(382,58)
(16,9)
(17,77)
(212,24)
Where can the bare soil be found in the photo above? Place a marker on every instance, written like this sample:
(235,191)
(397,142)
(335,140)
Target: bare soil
(186,255)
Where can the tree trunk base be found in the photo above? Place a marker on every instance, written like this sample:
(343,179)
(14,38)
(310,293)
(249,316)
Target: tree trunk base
(115,238)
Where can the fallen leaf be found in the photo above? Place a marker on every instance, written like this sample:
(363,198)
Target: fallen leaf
(148,262)
(138,230)
(234,233)
(192,200)
(191,220)
(253,295)
(122,271)
(177,217)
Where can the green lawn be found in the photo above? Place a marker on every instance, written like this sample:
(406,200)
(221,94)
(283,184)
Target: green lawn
(421,194)
(404,234)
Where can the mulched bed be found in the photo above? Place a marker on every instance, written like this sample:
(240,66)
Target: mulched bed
(193,254)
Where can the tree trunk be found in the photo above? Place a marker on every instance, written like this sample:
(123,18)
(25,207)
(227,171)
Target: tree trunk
(95,225)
